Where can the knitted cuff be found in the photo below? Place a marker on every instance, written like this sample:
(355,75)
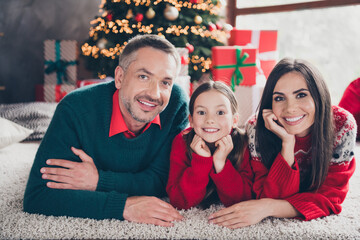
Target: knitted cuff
(106,182)
(307,208)
(115,205)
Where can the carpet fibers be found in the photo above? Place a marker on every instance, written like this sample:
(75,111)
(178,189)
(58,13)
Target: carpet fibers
(15,164)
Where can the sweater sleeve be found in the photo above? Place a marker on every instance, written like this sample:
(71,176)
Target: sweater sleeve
(187,179)
(278,182)
(330,195)
(61,134)
(234,185)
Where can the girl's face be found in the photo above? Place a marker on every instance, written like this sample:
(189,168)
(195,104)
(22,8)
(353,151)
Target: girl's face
(212,116)
(293,105)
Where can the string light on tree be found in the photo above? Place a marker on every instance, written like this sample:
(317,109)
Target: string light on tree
(190,24)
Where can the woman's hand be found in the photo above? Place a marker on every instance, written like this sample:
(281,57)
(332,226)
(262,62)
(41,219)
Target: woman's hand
(223,149)
(250,212)
(288,140)
(273,125)
(241,214)
(199,146)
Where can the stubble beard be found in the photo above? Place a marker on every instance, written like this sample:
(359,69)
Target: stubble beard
(135,116)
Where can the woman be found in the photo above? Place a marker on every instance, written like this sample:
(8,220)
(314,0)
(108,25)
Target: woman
(302,150)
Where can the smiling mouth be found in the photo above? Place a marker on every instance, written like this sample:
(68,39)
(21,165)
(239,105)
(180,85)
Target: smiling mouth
(210,130)
(295,119)
(147,103)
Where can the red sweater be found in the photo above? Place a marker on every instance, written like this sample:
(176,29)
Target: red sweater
(284,182)
(188,178)
(351,101)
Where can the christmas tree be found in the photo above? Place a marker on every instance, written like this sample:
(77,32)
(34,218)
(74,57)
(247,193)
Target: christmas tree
(191,24)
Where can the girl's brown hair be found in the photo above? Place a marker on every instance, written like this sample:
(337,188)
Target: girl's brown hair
(322,137)
(239,138)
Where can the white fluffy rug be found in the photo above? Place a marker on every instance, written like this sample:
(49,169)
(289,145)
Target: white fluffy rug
(15,163)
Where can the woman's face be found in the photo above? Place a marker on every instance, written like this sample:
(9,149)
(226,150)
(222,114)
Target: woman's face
(212,116)
(293,105)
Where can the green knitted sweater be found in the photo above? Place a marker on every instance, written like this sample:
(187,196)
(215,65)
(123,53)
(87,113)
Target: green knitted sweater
(127,167)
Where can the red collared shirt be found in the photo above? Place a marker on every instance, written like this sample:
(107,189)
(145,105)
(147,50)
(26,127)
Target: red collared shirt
(118,125)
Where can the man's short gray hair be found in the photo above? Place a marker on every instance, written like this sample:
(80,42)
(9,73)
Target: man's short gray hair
(149,40)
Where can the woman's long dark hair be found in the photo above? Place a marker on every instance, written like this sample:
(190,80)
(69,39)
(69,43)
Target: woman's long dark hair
(322,133)
(239,138)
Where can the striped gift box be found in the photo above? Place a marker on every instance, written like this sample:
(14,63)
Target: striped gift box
(60,69)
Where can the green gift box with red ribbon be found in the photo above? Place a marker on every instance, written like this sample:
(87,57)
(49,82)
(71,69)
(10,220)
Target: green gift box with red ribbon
(234,65)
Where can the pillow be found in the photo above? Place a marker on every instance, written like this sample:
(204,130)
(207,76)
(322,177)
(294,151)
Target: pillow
(11,132)
(33,115)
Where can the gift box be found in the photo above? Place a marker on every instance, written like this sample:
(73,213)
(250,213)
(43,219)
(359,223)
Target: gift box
(248,98)
(60,68)
(56,92)
(184,56)
(266,43)
(234,65)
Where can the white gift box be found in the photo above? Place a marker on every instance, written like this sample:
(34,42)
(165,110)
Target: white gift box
(248,98)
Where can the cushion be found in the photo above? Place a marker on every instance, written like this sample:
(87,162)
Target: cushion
(33,115)
(11,132)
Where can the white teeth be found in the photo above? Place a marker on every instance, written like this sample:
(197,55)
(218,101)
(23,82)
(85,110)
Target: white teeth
(294,119)
(147,104)
(210,130)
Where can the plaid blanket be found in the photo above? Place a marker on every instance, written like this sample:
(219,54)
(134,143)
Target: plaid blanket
(32,115)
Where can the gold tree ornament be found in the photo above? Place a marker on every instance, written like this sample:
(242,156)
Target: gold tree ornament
(171,13)
(198,19)
(150,13)
(129,14)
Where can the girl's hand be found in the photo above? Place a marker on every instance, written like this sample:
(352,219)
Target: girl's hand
(223,149)
(273,125)
(288,140)
(199,146)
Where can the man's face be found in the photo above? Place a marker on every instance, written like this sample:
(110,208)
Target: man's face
(145,87)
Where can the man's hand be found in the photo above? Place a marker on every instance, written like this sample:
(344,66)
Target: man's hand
(143,209)
(72,175)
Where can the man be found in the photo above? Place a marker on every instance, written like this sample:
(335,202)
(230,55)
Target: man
(107,147)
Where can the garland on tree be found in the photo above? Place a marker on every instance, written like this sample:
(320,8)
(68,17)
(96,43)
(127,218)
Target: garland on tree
(192,24)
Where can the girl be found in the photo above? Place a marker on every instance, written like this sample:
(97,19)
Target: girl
(204,165)
(302,150)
